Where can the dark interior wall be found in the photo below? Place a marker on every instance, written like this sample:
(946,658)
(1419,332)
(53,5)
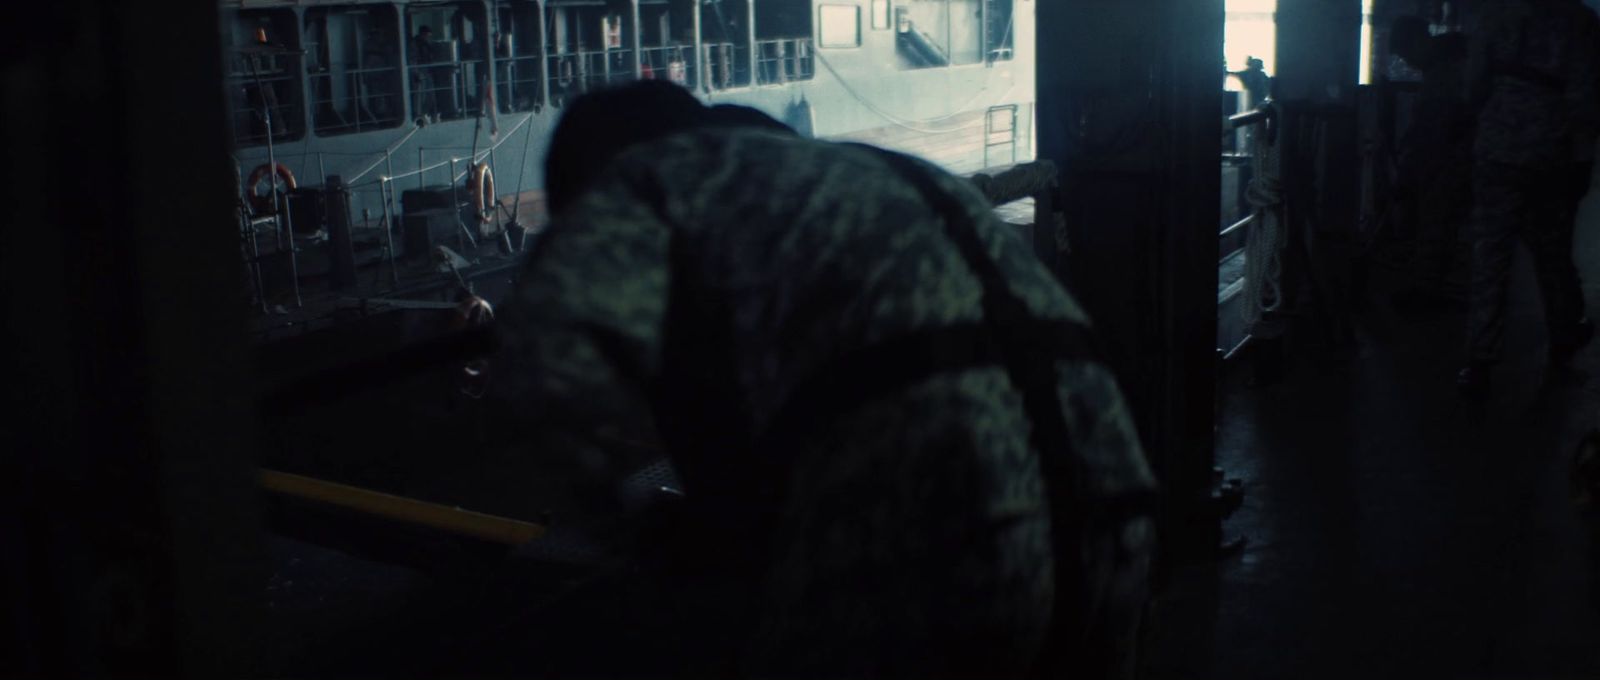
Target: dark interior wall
(1319,50)
(1319,60)
(128,527)
(1128,95)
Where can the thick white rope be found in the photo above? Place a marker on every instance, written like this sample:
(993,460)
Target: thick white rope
(1264,245)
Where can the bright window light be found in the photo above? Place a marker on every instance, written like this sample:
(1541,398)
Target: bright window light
(1366,42)
(1251,30)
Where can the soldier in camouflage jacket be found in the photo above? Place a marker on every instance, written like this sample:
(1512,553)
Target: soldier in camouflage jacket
(789,319)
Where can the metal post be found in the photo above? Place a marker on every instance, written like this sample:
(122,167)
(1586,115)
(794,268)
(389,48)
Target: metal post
(420,173)
(340,249)
(294,256)
(279,211)
(544,62)
(248,230)
(700,53)
(387,192)
(322,169)
(638,40)
(455,209)
(750,42)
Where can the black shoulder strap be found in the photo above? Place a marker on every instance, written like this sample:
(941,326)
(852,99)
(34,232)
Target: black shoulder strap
(1031,365)
(1031,368)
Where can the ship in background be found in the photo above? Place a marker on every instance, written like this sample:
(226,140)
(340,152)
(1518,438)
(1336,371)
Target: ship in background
(352,90)
(367,337)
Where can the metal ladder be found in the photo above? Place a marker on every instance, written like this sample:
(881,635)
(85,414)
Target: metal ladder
(1000,129)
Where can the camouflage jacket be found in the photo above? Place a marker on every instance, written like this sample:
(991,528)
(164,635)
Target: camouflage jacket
(1534,66)
(706,277)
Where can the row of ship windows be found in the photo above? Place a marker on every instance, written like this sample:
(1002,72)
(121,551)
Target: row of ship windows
(349,64)
(350,68)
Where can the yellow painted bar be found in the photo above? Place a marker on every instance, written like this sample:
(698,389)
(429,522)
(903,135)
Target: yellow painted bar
(432,515)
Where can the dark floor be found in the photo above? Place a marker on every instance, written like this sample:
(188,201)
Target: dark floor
(1394,531)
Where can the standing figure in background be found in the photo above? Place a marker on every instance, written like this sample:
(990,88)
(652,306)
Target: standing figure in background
(380,90)
(1435,171)
(1535,67)
(424,53)
(1256,81)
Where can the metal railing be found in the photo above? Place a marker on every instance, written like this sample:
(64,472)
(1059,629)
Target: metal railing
(517,82)
(438,90)
(674,63)
(1257,122)
(364,99)
(727,65)
(785,60)
(273,79)
(574,73)
(1000,129)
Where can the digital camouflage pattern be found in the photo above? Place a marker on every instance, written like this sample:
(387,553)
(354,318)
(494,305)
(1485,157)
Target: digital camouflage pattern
(1520,204)
(1532,66)
(911,535)
(1535,68)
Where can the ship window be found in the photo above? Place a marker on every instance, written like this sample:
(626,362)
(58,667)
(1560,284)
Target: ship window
(518,54)
(999,29)
(445,44)
(932,33)
(783,42)
(725,38)
(1250,31)
(263,78)
(666,33)
(353,69)
(590,45)
(880,15)
(841,25)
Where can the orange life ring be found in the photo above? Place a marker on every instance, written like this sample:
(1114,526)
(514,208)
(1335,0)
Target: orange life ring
(263,203)
(481,181)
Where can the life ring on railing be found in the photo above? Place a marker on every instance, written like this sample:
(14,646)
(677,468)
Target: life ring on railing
(481,182)
(263,204)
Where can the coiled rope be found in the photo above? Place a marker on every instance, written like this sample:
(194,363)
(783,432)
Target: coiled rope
(1268,237)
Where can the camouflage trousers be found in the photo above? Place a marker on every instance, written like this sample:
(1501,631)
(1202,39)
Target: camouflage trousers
(1534,206)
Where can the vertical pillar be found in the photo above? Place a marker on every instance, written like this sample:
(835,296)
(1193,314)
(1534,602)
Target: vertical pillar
(131,545)
(638,39)
(702,81)
(750,37)
(1128,107)
(341,253)
(544,59)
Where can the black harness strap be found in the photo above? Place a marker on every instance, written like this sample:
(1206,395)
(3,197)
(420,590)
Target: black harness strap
(1030,362)
(886,367)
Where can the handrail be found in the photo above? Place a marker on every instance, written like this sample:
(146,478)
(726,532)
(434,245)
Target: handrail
(328,72)
(1261,115)
(1238,225)
(456,159)
(386,153)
